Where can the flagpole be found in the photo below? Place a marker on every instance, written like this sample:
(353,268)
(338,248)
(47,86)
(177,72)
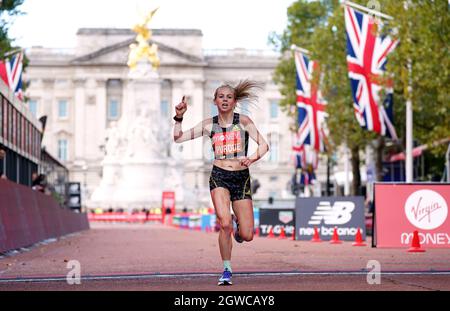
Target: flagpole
(363,8)
(409,119)
(409,133)
(12,52)
(347,172)
(409,113)
(447,163)
(299,49)
(328,176)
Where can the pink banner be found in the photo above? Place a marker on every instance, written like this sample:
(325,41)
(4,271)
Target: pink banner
(400,209)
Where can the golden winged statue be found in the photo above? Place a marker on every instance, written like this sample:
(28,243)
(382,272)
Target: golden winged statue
(142,49)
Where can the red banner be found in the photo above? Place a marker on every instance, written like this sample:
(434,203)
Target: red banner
(168,203)
(400,209)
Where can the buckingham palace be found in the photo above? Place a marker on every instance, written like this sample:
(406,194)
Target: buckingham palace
(84,92)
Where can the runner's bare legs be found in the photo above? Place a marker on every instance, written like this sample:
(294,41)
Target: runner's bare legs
(221,200)
(243,209)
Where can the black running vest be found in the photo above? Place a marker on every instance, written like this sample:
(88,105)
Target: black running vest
(229,142)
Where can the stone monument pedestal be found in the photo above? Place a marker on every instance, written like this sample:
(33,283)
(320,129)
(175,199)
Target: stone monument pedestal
(136,167)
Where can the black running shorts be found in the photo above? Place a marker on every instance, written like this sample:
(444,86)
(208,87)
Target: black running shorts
(237,182)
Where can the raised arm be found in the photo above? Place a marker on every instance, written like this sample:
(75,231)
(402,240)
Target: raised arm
(178,135)
(253,132)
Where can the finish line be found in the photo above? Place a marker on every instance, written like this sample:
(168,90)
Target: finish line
(208,274)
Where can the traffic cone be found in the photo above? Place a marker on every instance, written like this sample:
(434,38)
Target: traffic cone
(415,245)
(282,234)
(271,235)
(257,231)
(335,239)
(316,237)
(358,239)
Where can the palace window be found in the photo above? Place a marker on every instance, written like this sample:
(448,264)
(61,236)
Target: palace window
(62,149)
(62,109)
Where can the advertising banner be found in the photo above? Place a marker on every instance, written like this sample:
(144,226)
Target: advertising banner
(73,190)
(168,203)
(276,219)
(401,209)
(326,213)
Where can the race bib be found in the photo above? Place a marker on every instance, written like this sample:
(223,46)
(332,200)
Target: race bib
(227,143)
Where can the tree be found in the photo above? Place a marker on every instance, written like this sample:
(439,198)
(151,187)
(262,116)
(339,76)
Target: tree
(7,8)
(10,8)
(423,31)
(303,17)
(329,49)
(319,27)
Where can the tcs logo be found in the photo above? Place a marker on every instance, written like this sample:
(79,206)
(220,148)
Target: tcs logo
(338,214)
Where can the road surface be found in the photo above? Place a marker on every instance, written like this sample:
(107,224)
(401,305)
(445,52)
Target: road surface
(155,257)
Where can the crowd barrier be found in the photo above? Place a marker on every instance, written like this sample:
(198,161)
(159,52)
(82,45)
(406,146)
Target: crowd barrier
(28,217)
(193,221)
(206,221)
(124,217)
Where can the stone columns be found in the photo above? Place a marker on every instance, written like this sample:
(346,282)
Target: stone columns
(79,118)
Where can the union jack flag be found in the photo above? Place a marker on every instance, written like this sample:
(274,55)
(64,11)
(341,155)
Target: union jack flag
(11,73)
(304,155)
(366,60)
(306,160)
(310,104)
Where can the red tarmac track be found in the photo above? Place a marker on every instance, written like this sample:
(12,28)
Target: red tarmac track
(154,257)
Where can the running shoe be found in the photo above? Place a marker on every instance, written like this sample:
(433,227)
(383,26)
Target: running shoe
(236,235)
(225,279)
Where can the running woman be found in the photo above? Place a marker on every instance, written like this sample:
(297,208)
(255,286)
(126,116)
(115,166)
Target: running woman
(229,182)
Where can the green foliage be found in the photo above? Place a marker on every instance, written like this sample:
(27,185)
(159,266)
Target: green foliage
(8,8)
(303,17)
(329,50)
(58,198)
(423,33)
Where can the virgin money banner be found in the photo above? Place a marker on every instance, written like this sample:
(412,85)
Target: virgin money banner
(344,213)
(400,209)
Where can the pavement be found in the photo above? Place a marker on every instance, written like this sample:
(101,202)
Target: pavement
(156,257)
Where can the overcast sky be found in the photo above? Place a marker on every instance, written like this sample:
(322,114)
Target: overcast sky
(225,24)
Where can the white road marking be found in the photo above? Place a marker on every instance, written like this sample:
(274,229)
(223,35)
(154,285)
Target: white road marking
(206,274)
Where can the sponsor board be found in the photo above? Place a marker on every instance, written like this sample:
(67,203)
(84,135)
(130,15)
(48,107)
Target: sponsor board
(276,219)
(400,209)
(344,213)
(168,202)
(73,193)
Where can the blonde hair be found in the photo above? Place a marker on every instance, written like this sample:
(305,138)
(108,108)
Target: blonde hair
(243,90)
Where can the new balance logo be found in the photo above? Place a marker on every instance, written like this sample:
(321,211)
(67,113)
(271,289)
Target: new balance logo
(338,214)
